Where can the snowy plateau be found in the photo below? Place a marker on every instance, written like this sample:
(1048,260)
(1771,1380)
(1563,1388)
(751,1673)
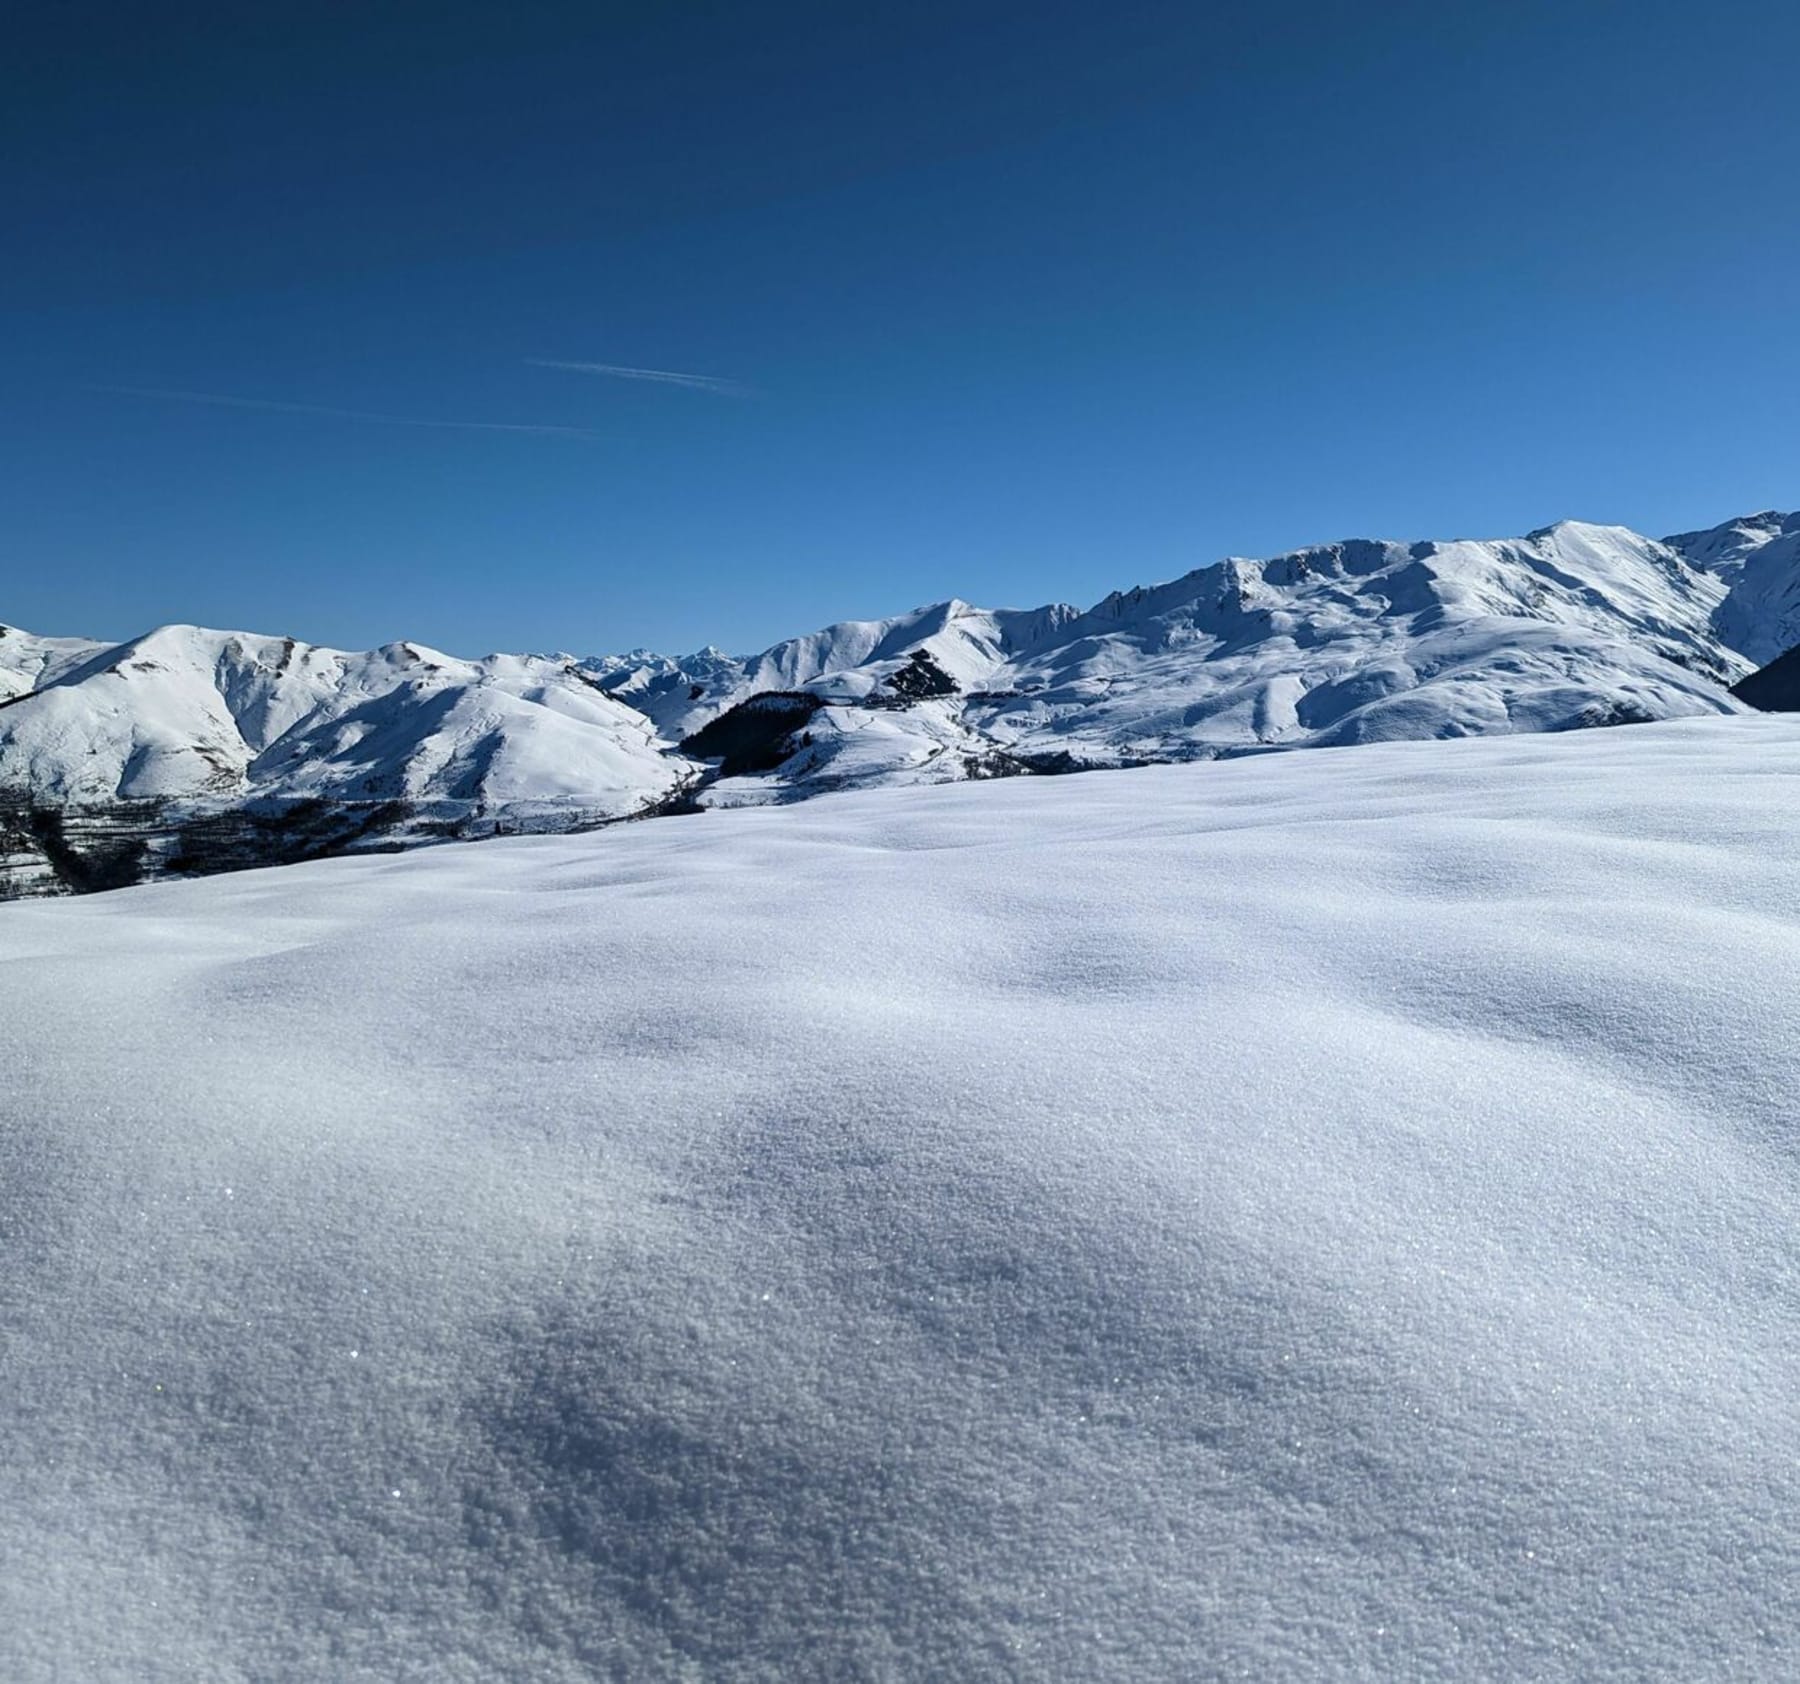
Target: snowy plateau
(1311,1216)
(188,751)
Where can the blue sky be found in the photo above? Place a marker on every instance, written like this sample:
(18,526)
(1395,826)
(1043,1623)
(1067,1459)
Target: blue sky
(1015,302)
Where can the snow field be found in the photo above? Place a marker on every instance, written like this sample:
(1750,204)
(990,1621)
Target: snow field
(1323,1216)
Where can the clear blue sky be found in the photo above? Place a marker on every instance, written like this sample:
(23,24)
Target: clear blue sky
(1021,301)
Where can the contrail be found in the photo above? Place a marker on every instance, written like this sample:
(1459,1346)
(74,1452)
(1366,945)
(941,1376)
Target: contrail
(227,401)
(663,376)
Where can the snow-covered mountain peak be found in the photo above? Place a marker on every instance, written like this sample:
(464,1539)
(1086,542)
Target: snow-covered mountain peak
(1725,547)
(1582,531)
(1570,567)
(1574,624)
(189,713)
(1345,642)
(27,661)
(1757,557)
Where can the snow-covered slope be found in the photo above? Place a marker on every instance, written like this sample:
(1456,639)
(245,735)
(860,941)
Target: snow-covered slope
(1359,642)
(186,714)
(27,661)
(1758,558)
(1323,1216)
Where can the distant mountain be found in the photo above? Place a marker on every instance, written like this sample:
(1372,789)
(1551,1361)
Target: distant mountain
(1758,558)
(186,713)
(193,750)
(846,662)
(121,761)
(1356,642)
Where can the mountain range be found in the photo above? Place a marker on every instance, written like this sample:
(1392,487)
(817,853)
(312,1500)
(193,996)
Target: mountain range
(190,750)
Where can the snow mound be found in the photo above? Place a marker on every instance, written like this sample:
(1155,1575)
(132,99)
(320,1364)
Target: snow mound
(1308,1216)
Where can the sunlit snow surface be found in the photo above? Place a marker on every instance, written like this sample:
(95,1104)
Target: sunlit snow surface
(1316,1216)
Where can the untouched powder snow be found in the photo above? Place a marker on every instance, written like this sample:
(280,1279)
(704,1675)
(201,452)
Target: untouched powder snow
(1323,1216)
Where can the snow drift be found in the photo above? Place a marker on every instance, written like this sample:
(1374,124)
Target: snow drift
(1311,1216)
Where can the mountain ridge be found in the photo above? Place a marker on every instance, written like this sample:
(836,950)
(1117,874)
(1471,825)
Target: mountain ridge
(1573,625)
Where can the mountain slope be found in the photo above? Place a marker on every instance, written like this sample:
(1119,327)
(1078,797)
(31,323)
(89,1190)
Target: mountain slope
(27,661)
(1309,1217)
(200,749)
(185,713)
(1361,642)
(1758,558)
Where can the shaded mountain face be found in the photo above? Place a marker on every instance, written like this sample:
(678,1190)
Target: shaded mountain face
(1758,559)
(1774,688)
(192,749)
